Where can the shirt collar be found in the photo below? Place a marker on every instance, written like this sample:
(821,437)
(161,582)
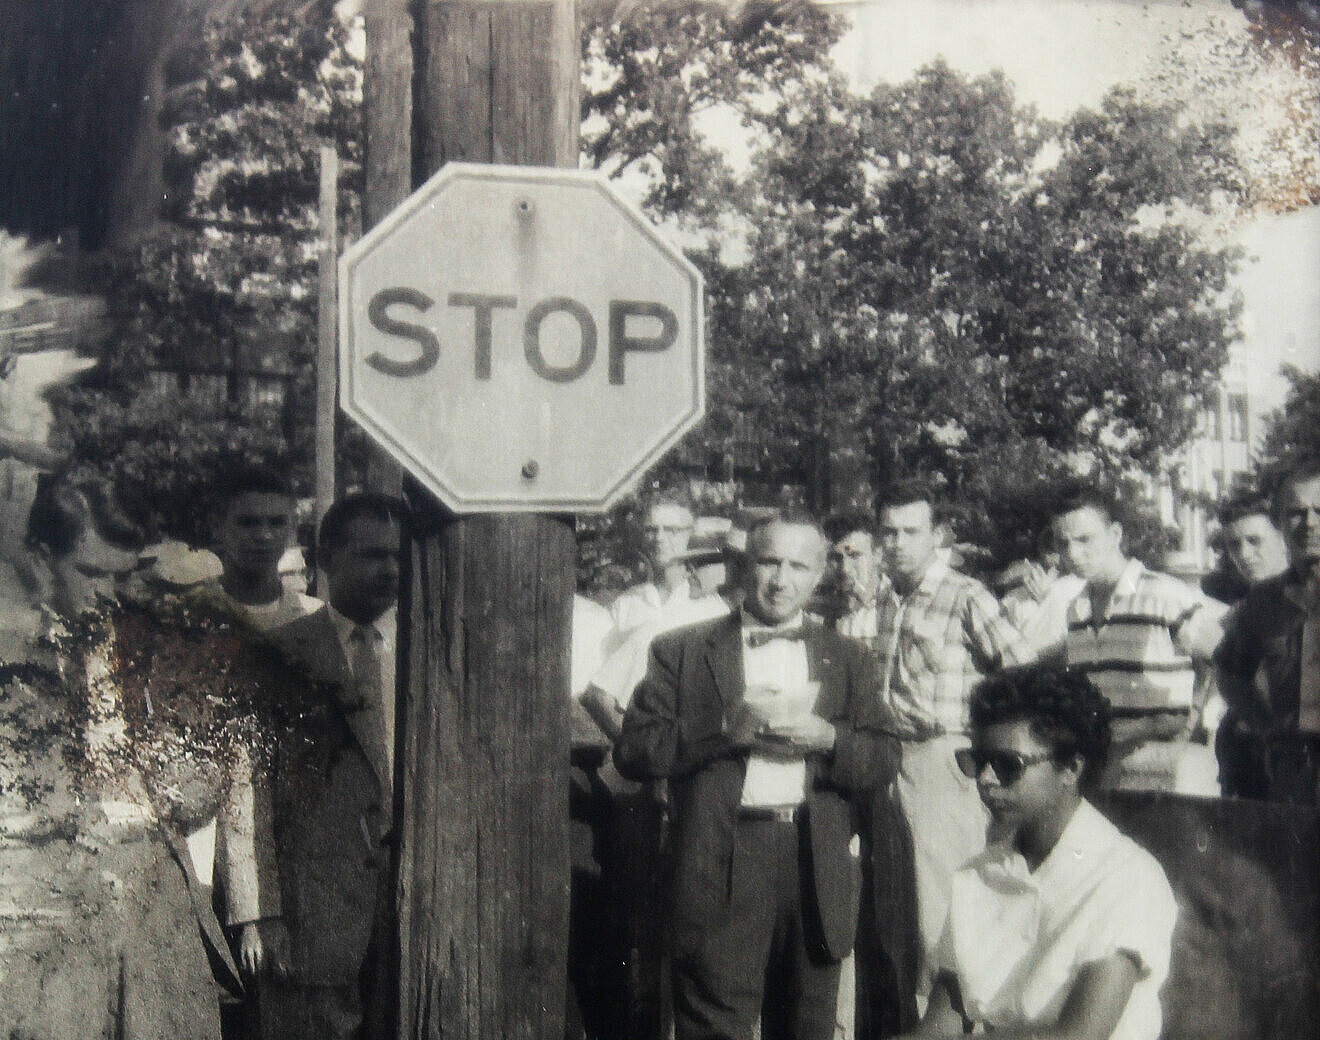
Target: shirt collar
(750,624)
(383,626)
(934,574)
(1128,577)
(1086,835)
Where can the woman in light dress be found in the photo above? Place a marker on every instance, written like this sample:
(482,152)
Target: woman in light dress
(101,922)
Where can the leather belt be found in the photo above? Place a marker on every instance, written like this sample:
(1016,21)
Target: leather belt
(768,813)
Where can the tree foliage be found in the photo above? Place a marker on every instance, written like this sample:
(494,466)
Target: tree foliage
(651,72)
(1263,59)
(937,279)
(212,319)
(1294,429)
(932,279)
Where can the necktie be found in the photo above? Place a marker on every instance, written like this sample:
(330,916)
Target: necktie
(758,637)
(370,718)
(1308,706)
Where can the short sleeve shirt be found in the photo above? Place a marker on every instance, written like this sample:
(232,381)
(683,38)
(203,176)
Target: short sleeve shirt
(1141,653)
(640,614)
(1017,940)
(934,644)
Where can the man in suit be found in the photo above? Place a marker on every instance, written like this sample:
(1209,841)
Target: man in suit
(766,727)
(332,781)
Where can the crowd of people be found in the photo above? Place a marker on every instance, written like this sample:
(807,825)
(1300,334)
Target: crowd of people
(195,776)
(864,777)
(860,742)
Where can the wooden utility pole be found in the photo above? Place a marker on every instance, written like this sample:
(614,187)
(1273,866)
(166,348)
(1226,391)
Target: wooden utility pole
(326,372)
(483,866)
(387,111)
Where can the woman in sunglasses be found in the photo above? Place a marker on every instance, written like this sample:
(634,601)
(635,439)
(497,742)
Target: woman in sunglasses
(1061,928)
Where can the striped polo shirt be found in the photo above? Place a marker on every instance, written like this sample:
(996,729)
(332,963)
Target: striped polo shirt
(1140,654)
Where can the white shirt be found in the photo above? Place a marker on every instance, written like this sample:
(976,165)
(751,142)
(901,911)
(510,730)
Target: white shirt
(266,617)
(626,651)
(781,664)
(647,604)
(1044,622)
(591,626)
(1017,940)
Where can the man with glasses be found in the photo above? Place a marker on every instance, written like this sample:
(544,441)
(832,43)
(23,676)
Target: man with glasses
(663,602)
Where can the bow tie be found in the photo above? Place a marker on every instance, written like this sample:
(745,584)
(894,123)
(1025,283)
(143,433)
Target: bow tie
(758,637)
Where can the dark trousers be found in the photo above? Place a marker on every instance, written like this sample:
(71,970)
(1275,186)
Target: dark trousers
(763,956)
(888,939)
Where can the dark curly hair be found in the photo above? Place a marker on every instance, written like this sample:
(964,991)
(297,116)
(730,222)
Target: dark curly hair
(1062,706)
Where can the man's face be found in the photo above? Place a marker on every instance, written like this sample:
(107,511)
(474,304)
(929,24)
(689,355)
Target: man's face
(852,566)
(1255,547)
(93,572)
(785,565)
(1299,516)
(254,532)
(667,530)
(909,539)
(362,574)
(1091,545)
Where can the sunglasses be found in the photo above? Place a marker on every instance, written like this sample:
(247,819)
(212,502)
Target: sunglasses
(1008,765)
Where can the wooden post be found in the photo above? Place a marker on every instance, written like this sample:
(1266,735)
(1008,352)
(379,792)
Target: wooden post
(483,888)
(326,371)
(387,113)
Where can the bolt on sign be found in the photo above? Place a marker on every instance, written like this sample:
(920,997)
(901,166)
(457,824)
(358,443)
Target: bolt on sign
(521,339)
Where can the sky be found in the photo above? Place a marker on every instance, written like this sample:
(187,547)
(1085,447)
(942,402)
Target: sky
(1065,54)
(1060,54)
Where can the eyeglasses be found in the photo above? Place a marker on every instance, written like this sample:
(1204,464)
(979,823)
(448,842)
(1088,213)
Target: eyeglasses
(1008,765)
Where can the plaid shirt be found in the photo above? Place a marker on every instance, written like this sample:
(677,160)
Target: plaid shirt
(934,644)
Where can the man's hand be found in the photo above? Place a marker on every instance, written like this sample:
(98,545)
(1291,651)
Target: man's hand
(265,945)
(802,734)
(1037,580)
(743,723)
(604,710)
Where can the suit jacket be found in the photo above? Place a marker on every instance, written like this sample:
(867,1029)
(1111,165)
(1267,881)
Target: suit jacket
(675,729)
(325,818)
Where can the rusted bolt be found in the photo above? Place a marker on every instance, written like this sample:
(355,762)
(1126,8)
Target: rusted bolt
(530,469)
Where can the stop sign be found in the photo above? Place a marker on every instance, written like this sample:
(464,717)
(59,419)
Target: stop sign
(520,338)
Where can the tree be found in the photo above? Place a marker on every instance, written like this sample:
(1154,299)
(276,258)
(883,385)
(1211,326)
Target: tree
(1294,429)
(1256,69)
(212,320)
(938,279)
(651,72)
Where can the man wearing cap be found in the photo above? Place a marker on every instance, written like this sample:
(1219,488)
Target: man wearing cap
(766,726)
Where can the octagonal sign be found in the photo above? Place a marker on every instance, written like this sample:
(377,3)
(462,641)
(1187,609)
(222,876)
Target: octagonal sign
(520,338)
